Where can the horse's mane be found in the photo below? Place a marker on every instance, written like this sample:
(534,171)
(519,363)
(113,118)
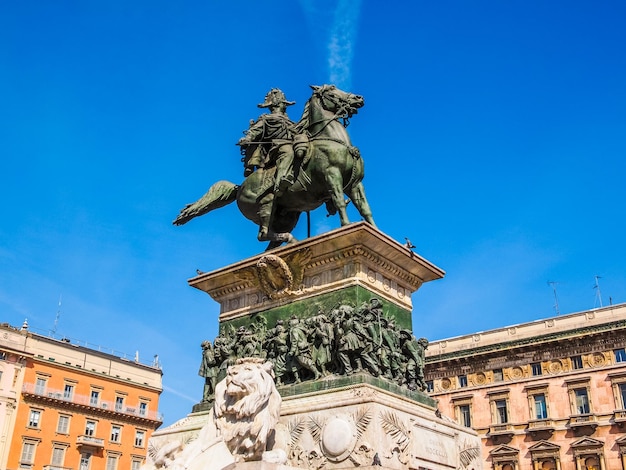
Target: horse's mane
(303,123)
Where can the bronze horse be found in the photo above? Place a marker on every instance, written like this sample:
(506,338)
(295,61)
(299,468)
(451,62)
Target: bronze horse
(331,168)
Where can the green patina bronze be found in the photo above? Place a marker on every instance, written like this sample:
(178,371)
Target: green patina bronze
(336,334)
(292,168)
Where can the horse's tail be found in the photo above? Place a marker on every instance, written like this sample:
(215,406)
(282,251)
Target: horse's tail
(219,195)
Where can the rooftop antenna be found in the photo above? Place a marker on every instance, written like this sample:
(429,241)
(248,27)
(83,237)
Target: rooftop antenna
(56,318)
(598,293)
(556,298)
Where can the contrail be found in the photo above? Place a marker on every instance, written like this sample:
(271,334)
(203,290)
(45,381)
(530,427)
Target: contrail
(341,44)
(177,393)
(338,23)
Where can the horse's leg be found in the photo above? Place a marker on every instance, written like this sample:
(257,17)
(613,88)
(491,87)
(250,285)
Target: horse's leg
(357,195)
(266,226)
(266,207)
(334,182)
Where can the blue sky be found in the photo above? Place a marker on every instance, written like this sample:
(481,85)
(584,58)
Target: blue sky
(493,133)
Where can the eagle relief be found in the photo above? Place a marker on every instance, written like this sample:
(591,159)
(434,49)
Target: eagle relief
(277,277)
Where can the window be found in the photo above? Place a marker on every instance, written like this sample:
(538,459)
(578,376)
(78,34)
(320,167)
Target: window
(28,454)
(462,380)
(112,462)
(90,428)
(119,403)
(139,437)
(591,463)
(582,401)
(116,432)
(540,407)
(40,386)
(577,362)
(58,456)
(85,461)
(536,368)
(497,375)
(501,412)
(94,398)
(430,386)
(465,417)
(620,355)
(136,464)
(68,391)
(63,425)
(34,418)
(621,391)
(618,383)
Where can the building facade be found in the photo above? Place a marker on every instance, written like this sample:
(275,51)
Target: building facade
(74,408)
(12,365)
(548,394)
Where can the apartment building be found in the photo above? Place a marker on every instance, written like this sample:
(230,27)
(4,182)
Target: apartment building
(544,395)
(69,407)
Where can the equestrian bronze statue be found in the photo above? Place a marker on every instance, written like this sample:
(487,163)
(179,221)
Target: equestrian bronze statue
(292,168)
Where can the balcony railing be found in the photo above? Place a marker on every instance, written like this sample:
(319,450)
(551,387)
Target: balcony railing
(89,441)
(56,467)
(587,419)
(540,424)
(500,429)
(619,416)
(87,400)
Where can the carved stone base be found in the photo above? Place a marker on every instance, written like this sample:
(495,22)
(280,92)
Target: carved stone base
(365,426)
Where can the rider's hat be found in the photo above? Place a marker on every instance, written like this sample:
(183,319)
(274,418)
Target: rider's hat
(275,97)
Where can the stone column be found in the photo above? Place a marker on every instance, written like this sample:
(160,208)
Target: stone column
(578,467)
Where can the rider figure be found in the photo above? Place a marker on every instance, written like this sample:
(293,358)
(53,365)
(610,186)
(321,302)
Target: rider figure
(278,130)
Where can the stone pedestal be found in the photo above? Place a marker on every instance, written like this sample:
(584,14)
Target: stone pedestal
(364,424)
(350,264)
(344,417)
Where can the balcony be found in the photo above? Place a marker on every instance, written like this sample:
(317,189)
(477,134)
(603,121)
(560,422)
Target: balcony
(90,441)
(619,417)
(56,467)
(540,428)
(49,394)
(541,425)
(504,429)
(582,420)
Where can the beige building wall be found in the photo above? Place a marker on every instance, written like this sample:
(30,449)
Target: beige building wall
(13,359)
(547,394)
(12,363)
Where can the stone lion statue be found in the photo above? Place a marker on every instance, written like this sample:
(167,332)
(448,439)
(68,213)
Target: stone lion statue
(245,412)
(247,407)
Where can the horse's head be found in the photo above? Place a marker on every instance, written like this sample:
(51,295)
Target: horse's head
(337,101)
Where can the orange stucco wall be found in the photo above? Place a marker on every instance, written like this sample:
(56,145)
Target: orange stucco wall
(51,403)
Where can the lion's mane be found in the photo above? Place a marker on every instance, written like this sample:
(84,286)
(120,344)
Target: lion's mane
(247,407)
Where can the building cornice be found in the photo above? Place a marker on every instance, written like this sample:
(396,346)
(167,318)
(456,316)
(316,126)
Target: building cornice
(433,357)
